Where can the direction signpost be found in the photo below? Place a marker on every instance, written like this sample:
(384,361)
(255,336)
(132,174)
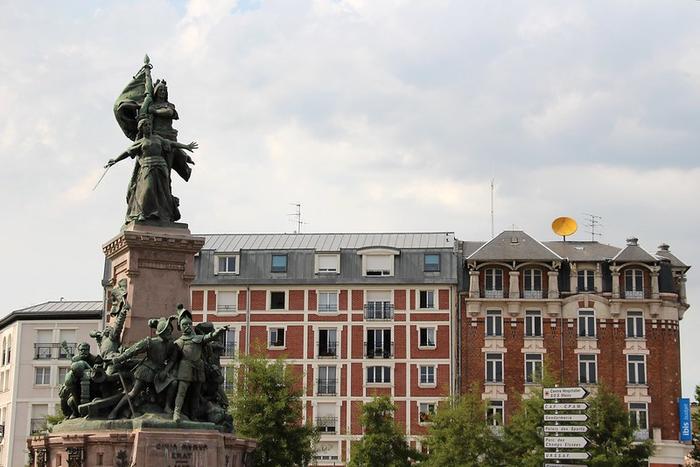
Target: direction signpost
(562,413)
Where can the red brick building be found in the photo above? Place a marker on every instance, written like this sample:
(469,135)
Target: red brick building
(358,315)
(591,312)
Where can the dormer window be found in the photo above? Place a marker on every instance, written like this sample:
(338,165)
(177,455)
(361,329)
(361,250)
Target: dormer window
(378,261)
(279,263)
(634,283)
(327,263)
(226,264)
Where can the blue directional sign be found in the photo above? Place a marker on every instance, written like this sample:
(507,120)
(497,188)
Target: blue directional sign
(686,433)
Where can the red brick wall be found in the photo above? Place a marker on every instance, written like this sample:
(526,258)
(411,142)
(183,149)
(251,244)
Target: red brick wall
(399,342)
(663,373)
(242,305)
(197,300)
(258,300)
(357,385)
(211,300)
(357,342)
(400,299)
(412,294)
(400,379)
(343,300)
(312,300)
(444,299)
(358,299)
(296,300)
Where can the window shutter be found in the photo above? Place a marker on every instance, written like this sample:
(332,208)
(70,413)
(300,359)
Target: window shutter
(379,262)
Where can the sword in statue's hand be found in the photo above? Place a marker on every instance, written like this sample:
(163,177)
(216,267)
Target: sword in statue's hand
(107,166)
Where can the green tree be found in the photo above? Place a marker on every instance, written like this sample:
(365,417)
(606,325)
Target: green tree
(523,438)
(695,453)
(267,407)
(611,433)
(459,435)
(383,444)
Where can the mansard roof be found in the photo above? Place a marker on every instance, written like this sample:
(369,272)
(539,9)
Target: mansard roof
(633,253)
(577,251)
(513,245)
(665,253)
(56,310)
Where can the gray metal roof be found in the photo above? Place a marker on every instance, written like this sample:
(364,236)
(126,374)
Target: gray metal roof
(583,251)
(62,307)
(55,310)
(469,247)
(513,245)
(230,243)
(634,253)
(673,259)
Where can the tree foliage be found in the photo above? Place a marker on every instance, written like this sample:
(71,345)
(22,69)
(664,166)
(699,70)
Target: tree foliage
(267,407)
(383,444)
(459,435)
(524,436)
(695,453)
(611,433)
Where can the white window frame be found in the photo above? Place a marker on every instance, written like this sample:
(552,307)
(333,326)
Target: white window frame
(337,342)
(428,293)
(232,332)
(272,263)
(286,300)
(533,320)
(494,363)
(46,375)
(496,317)
(367,252)
(335,379)
(636,367)
(587,361)
(637,282)
(425,415)
(490,283)
(270,330)
(639,412)
(427,376)
(428,330)
(533,368)
(587,322)
(529,283)
(217,269)
(378,370)
(219,307)
(328,293)
(317,263)
(439,263)
(634,322)
(495,413)
(588,280)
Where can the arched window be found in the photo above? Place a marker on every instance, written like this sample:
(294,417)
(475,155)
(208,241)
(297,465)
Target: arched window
(634,283)
(4,350)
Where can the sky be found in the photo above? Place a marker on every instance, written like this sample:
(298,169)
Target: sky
(373,115)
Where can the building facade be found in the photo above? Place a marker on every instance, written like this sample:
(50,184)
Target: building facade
(33,364)
(359,315)
(592,313)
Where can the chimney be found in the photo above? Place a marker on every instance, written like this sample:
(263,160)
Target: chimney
(664,247)
(632,241)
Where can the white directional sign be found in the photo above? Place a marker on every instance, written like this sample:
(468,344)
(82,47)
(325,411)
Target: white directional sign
(564,393)
(566,406)
(566,455)
(565,417)
(565,442)
(565,428)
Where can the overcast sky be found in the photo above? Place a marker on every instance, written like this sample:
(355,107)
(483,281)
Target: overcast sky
(374,115)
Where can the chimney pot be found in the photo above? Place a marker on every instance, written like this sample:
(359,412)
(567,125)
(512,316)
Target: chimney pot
(664,247)
(632,241)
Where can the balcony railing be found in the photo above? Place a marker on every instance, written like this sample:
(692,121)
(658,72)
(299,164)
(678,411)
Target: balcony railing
(50,351)
(225,308)
(493,293)
(532,294)
(379,310)
(37,425)
(326,387)
(327,307)
(641,435)
(326,424)
(384,351)
(634,294)
(331,350)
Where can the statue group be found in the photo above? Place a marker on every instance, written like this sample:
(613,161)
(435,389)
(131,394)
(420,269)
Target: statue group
(177,378)
(146,117)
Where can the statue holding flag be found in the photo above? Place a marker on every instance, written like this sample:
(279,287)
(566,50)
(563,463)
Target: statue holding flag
(145,116)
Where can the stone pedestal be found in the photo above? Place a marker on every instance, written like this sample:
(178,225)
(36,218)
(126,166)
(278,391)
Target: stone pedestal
(158,263)
(144,447)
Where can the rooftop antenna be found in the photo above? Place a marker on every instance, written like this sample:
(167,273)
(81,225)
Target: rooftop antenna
(564,226)
(593,224)
(297,216)
(492,230)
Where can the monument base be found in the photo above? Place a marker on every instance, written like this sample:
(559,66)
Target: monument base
(142,447)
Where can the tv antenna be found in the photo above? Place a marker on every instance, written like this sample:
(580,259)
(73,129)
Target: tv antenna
(593,225)
(297,217)
(492,180)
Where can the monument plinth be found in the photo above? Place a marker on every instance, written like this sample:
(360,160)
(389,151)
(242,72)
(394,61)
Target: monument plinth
(158,263)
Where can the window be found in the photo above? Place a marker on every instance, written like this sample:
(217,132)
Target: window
(586,323)
(426,410)
(431,262)
(325,418)
(229,342)
(379,305)
(279,263)
(587,373)
(426,337)
(42,375)
(532,283)
(230,378)
(494,368)
(533,367)
(586,282)
(227,265)
(379,265)
(226,301)
(494,413)
(328,301)
(378,374)
(427,374)
(635,324)
(639,415)
(43,347)
(327,343)
(533,324)
(326,381)
(379,343)
(62,372)
(426,299)
(276,337)
(327,263)
(634,283)
(494,283)
(37,422)
(67,341)
(494,323)
(636,369)
(277,300)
